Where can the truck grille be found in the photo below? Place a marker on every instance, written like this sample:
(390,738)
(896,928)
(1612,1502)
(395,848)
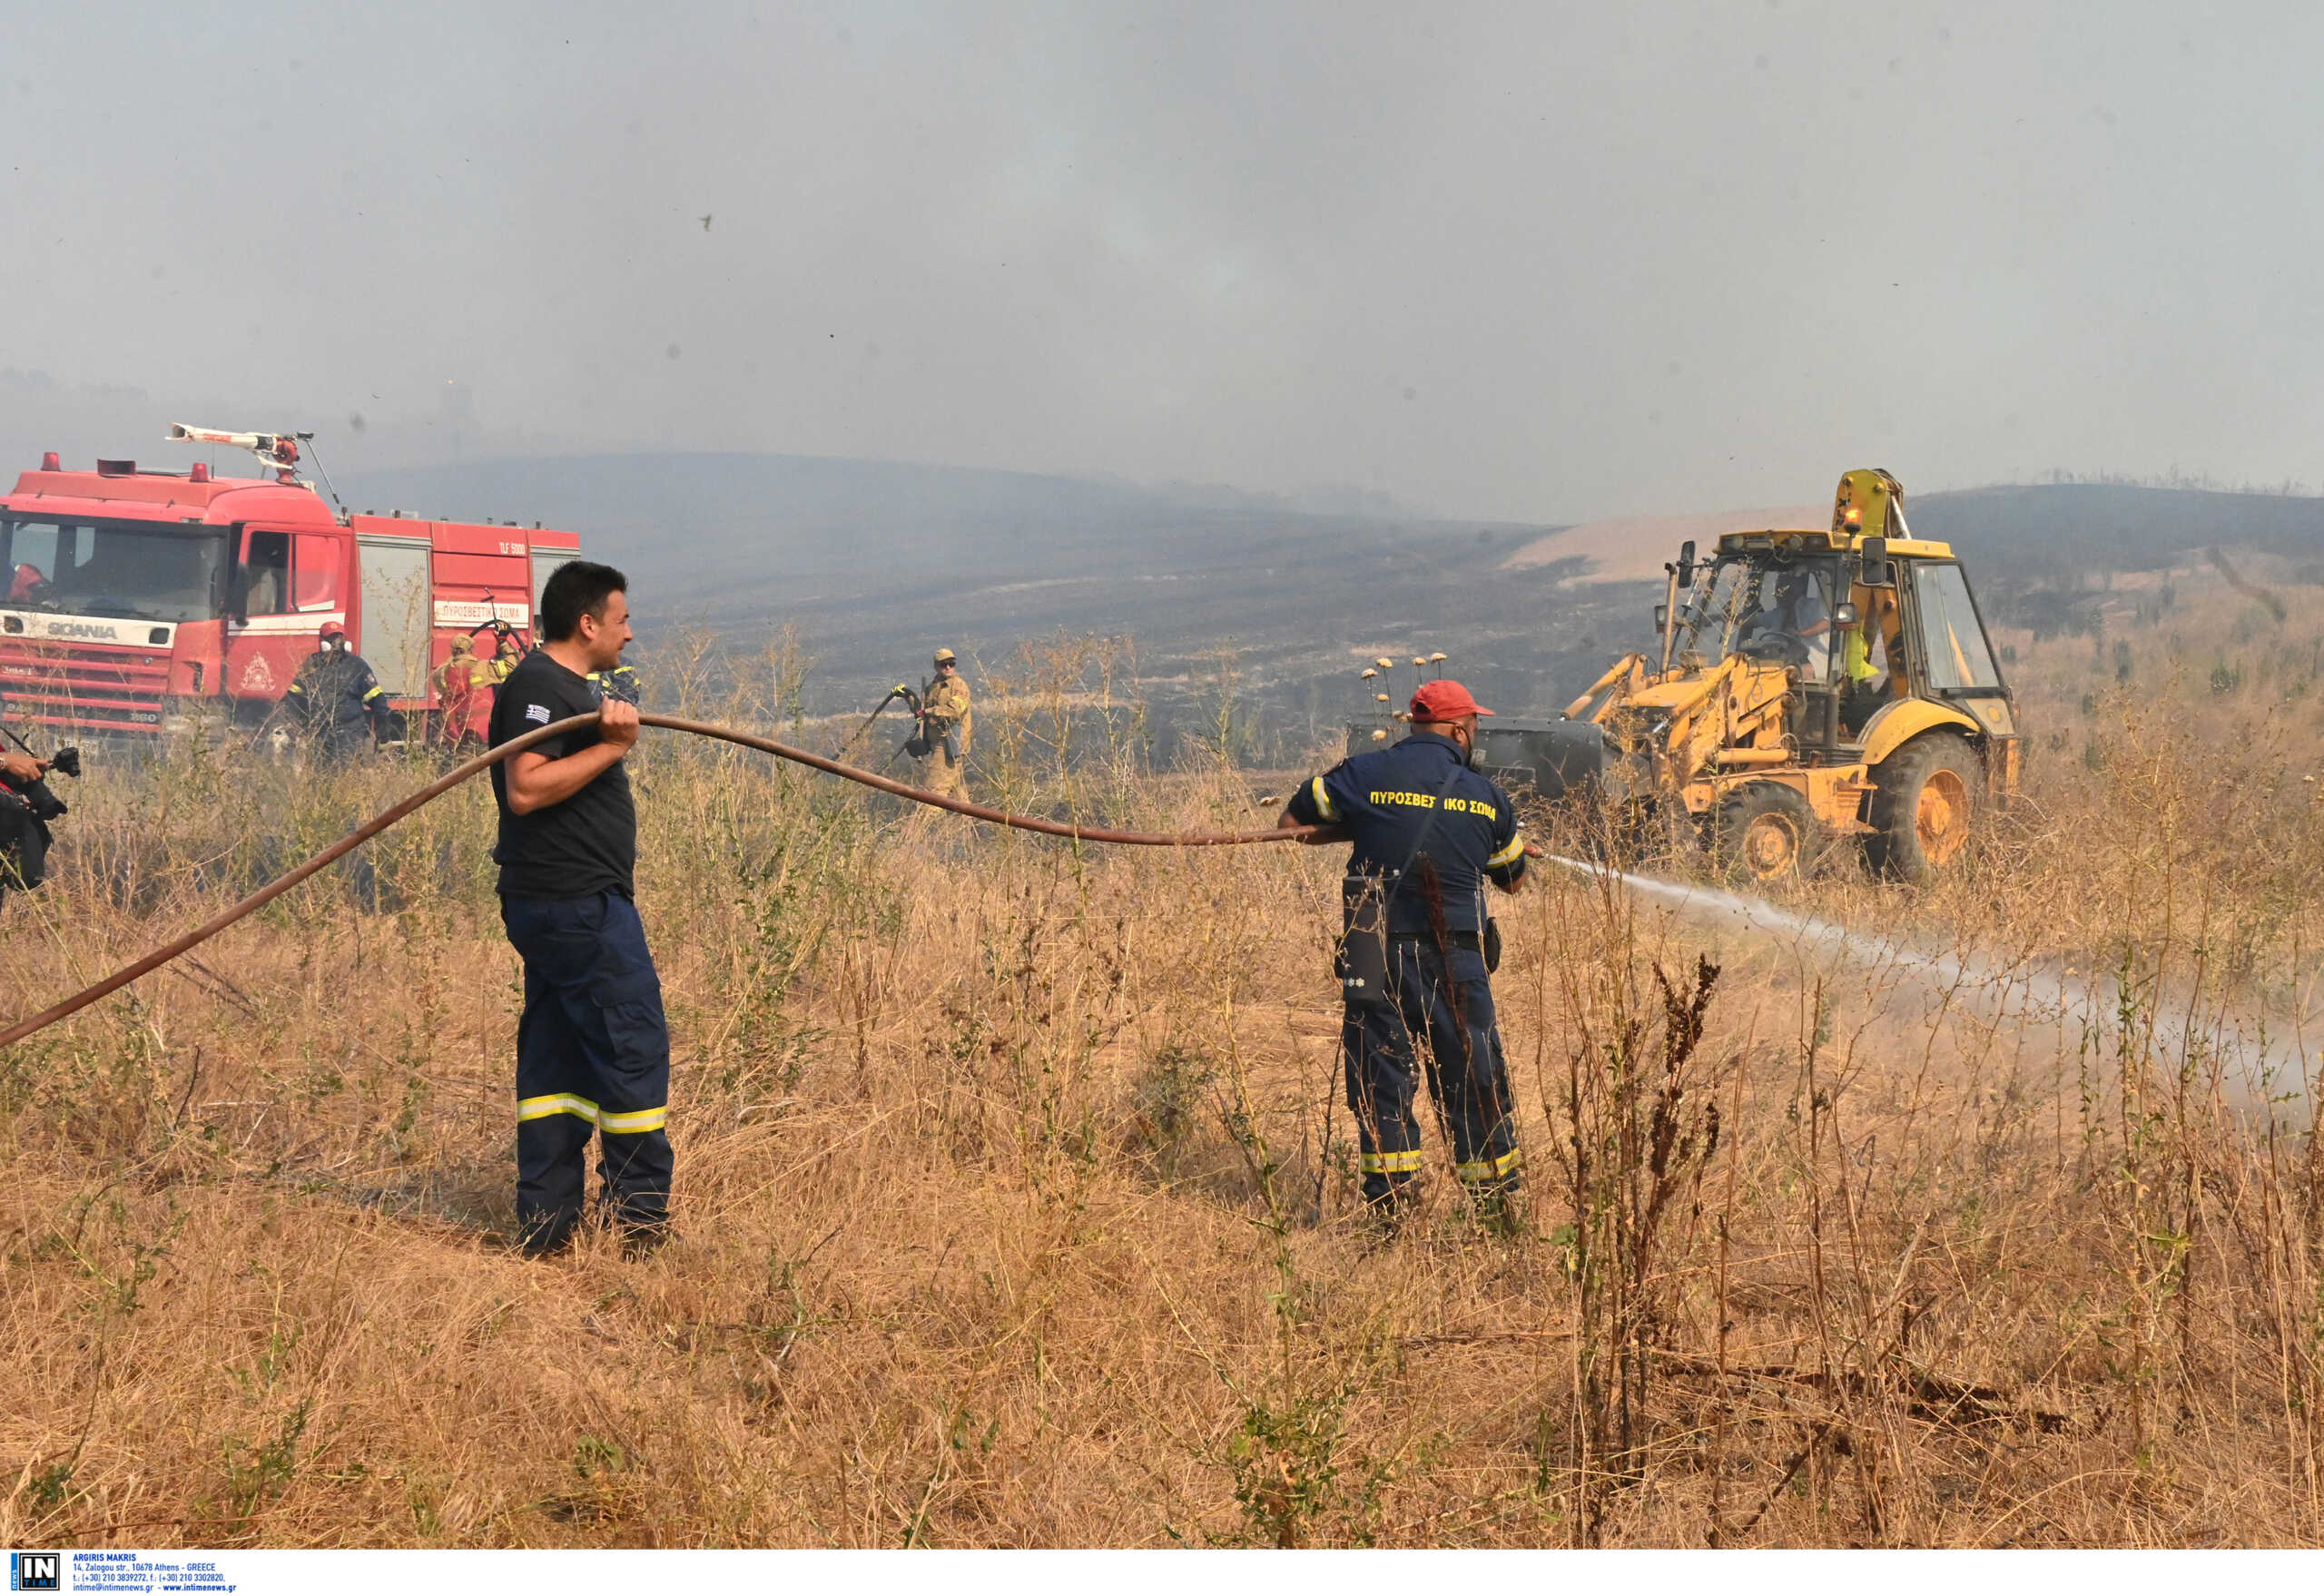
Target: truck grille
(78,685)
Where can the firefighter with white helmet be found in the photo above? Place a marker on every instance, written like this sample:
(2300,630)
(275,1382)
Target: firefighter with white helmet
(336,701)
(945,722)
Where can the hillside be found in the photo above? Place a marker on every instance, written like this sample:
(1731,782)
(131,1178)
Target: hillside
(874,563)
(1632,548)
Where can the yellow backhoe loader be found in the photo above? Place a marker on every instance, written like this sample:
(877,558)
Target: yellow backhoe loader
(1806,685)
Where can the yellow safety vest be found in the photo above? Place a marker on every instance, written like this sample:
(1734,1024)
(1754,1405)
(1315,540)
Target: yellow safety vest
(1856,654)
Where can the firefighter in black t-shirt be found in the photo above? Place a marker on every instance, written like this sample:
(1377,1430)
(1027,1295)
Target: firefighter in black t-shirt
(593,1049)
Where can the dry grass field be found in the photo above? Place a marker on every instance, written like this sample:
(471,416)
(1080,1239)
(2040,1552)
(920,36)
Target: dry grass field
(1016,1205)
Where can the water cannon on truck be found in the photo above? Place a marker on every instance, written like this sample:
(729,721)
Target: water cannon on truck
(278,451)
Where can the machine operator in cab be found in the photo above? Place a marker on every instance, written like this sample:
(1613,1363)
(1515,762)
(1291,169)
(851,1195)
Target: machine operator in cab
(1418,948)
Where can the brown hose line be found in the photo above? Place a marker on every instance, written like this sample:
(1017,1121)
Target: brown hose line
(1023,822)
(490,757)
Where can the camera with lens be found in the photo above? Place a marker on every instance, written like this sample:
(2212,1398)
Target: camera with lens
(44,805)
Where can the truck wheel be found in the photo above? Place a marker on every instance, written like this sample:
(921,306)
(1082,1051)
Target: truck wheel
(1923,805)
(1764,832)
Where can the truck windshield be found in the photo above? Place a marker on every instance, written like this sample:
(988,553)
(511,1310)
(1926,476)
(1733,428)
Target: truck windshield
(110,568)
(1710,615)
(1779,610)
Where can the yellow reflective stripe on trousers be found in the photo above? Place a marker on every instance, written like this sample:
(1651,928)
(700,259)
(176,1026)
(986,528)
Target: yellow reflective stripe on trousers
(634,1124)
(1489,1168)
(1405,1163)
(1323,799)
(556,1103)
(1509,854)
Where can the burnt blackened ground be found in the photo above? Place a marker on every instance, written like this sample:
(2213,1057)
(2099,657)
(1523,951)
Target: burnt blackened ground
(875,563)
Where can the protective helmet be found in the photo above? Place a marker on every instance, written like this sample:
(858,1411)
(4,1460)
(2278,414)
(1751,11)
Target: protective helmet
(463,644)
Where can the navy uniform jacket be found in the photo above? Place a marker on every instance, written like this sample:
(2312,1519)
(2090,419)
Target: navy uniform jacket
(1421,790)
(335,694)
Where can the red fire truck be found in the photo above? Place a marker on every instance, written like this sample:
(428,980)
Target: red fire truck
(143,602)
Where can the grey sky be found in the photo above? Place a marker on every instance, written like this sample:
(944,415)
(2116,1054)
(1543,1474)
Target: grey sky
(1538,262)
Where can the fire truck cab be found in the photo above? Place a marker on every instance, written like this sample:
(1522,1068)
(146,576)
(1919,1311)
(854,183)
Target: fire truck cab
(141,602)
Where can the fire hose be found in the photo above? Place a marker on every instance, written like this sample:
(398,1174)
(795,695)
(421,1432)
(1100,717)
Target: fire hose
(490,757)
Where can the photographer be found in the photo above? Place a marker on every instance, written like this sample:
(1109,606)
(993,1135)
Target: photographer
(26,806)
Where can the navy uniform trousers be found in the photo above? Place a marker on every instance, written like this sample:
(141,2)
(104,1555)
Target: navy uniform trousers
(1446,1000)
(593,1058)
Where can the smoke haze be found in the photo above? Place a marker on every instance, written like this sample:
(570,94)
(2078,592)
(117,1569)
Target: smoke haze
(1527,262)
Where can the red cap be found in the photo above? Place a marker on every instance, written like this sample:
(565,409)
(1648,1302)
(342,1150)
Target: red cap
(331,629)
(1444,701)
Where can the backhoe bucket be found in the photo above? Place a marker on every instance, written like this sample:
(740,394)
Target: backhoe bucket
(1552,758)
(1549,758)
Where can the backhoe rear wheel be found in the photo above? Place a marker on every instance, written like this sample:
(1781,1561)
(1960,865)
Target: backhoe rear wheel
(1924,807)
(1764,833)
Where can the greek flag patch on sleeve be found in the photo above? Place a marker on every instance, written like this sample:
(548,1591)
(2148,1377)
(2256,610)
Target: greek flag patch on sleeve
(537,712)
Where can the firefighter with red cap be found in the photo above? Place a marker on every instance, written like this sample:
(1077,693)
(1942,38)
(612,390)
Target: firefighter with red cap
(1418,948)
(335,700)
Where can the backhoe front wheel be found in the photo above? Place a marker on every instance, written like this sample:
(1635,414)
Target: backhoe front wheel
(1924,807)
(1764,833)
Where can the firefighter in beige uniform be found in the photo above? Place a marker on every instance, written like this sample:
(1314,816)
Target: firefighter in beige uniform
(945,725)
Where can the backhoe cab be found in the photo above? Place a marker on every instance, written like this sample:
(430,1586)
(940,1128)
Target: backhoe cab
(1806,686)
